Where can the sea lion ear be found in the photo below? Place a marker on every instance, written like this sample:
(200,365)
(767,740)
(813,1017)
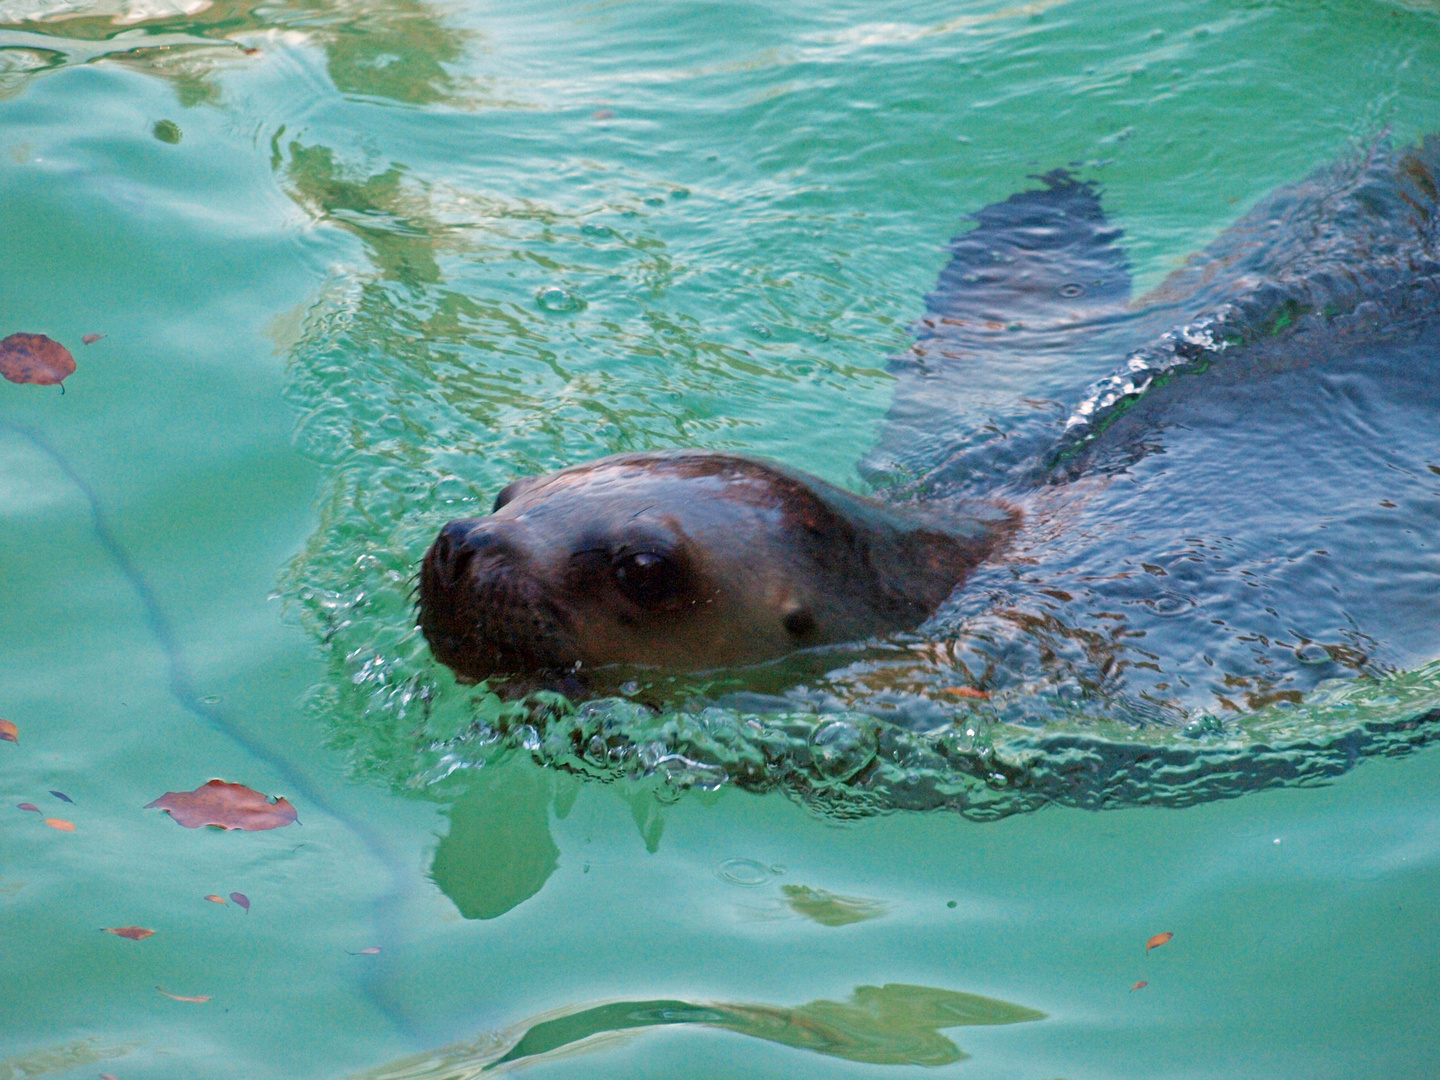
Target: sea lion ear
(512,489)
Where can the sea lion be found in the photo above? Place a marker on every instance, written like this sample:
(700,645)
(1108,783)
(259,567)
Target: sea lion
(691,560)
(685,560)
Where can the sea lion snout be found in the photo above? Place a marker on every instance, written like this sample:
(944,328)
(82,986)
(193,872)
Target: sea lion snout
(452,556)
(483,609)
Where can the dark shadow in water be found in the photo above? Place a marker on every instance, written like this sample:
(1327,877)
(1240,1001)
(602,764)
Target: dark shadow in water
(499,851)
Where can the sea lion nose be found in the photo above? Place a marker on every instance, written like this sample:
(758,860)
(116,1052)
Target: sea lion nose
(461,541)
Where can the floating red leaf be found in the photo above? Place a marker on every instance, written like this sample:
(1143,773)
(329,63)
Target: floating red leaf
(198,1000)
(215,899)
(9,732)
(35,358)
(1158,940)
(133,933)
(27,806)
(60,823)
(1139,986)
(90,339)
(368,951)
(241,899)
(228,806)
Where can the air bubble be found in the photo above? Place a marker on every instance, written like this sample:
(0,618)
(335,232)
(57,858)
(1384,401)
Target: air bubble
(1169,604)
(841,749)
(558,300)
(745,872)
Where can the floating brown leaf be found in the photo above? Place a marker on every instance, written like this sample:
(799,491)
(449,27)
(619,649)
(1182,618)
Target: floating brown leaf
(966,692)
(215,899)
(198,1000)
(90,339)
(228,806)
(27,806)
(35,358)
(60,823)
(241,899)
(1139,986)
(133,933)
(9,732)
(1158,940)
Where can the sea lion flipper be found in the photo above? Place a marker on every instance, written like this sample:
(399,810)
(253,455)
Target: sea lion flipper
(1042,257)
(1039,280)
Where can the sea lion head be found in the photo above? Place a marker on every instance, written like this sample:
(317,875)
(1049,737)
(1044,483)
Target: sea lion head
(685,560)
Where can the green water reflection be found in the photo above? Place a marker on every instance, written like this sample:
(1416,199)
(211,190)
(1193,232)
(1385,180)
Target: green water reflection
(498,851)
(894,1024)
(398,50)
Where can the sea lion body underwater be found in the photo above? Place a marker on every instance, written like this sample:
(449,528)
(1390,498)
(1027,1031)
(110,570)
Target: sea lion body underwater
(693,560)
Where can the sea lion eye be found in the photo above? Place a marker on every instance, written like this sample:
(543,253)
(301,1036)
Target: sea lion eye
(649,579)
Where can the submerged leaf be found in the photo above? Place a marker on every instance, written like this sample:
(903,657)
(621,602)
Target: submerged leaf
(370,950)
(35,358)
(1158,940)
(9,732)
(1139,986)
(132,933)
(27,806)
(830,909)
(198,1000)
(215,899)
(63,797)
(228,806)
(60,823)
(241,899)
(90,339)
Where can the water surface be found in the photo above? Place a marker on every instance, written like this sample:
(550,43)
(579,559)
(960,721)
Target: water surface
(358,266)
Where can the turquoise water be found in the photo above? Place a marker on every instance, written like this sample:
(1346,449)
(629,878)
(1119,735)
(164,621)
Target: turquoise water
(353,282)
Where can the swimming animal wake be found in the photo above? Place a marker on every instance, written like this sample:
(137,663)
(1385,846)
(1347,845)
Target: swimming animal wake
(1227,558)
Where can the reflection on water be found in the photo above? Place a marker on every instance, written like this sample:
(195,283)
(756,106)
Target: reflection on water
(399,50)
(498,851)
(60,1059)
(894,1024)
